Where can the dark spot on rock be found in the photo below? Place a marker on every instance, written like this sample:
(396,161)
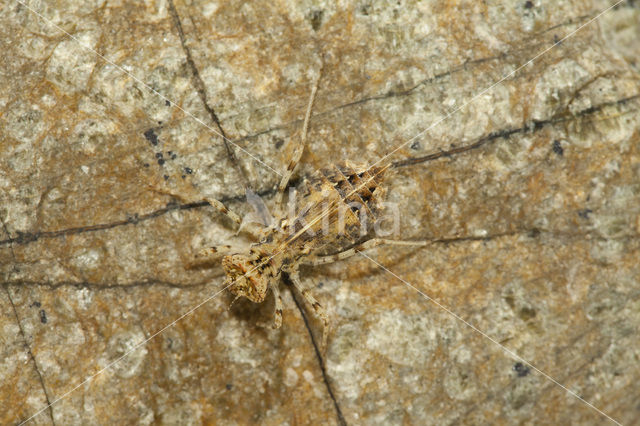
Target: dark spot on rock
(510,301)
(584,213)
(146,164)
(415,146)
(316,19)
(534,233)
(536,125)
(320,284)
(167,103)
(151,136)
(36,304)
(521,369)
(43,316)
(26,237)
(556,39)
(229,386)
(183,176)
(527,313)
(279,142)
(158,155)
(528,4)
(557,148)
(187,170)
(160,161)
(166,177)
(173,156)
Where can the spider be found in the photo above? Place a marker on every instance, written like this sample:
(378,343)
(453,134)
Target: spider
(336,206)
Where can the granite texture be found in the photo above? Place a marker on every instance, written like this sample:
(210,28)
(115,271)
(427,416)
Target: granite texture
(536,222)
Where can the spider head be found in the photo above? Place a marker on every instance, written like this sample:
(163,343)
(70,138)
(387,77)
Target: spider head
(247,276)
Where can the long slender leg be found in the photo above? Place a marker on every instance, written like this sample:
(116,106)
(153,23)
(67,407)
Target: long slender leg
(277,312)
(320,260)
(208,255)
(317,308)
(297,153)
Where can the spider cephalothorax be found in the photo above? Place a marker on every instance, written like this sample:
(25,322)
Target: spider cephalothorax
(249,275)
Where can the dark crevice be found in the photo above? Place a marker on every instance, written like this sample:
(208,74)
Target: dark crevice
(202,93)
(506,133)
(325,377)
(107,286)
(25,342)
(29,237)
(533,234)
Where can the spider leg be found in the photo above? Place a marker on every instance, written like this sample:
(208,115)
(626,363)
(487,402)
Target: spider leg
(208,255)
(297,153)
(320,260)
(317,308)
(277,312)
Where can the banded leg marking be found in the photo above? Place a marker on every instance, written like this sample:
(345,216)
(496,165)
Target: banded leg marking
(212,252)
(299,149)
(277,312)
(317,307)
(224,210)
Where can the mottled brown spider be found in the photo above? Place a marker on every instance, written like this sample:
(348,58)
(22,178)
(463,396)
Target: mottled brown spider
(334,206)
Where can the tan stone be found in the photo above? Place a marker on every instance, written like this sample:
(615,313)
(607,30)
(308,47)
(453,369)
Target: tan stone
(537,224)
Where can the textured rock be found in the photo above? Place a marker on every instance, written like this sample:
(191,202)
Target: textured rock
(536,224)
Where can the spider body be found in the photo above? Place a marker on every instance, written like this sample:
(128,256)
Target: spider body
(333,212)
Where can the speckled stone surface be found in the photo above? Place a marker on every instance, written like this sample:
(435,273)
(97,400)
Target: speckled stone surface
(536,228)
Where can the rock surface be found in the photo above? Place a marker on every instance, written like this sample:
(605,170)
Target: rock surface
(106,107)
